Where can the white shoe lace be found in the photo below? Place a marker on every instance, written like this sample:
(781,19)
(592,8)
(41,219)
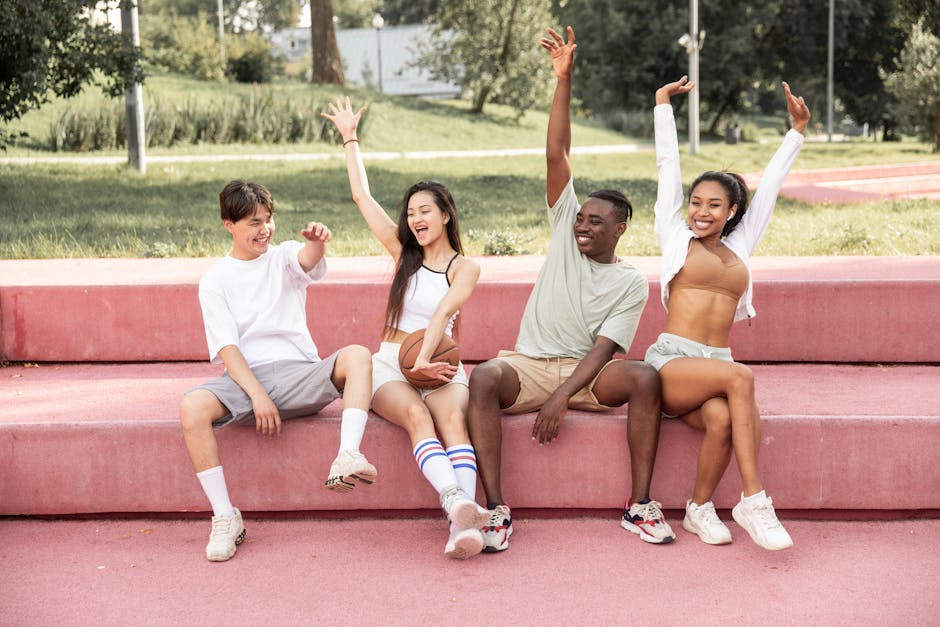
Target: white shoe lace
(765,514)
(651,511)
(448,496)
(707,515)
(221,526)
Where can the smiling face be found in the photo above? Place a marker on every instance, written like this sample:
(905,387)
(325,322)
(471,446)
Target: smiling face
(425,219)
(709,209)
(597,230)
(252,235)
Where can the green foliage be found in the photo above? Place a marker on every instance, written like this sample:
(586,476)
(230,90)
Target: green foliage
(408,11)
(187,45)
(490,48)
(502,243)
(261,116)
(916,84)
(251,59)
(239,15)
(52,48)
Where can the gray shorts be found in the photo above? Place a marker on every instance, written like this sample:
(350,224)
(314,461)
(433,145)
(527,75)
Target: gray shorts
(669,346)
(297,388)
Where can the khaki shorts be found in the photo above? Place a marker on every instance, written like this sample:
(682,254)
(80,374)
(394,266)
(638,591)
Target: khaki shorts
(540,377)
(297,388)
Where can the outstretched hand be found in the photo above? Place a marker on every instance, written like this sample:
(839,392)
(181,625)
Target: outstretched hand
(667,91)
(799,112)
(562,53)
(316,232)
(343,117)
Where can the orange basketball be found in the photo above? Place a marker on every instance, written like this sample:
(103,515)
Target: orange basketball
(411,346)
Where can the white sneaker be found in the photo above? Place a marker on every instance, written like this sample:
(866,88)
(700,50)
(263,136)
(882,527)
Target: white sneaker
(760,520)
(647,521)
(703,521)
(462,511)
(463,543)
(227,531)
(497,529)
(349,469)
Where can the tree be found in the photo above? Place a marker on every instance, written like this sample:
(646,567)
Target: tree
(53,48)
(408,11)
(327,66)
(916,84)
(490,48)
(239,14)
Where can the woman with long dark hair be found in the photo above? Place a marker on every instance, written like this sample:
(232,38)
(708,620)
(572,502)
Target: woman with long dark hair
(433,279)
(706,287)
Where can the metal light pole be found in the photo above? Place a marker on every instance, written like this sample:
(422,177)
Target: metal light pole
(377,23)
(221,11)
(693,41)
(831,63)
(134,96)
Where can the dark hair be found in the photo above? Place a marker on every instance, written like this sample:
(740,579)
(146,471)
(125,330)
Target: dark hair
(736,189)
(412,253)
(240,199)
(623,210)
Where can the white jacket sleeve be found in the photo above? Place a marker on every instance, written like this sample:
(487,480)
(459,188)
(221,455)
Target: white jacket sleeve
(670,226)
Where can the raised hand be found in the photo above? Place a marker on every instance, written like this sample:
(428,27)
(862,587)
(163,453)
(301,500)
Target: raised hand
(343,118)
(667,91)
(562,53)
(316,232)
(799,112)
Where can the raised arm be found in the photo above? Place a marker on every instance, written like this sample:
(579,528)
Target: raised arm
(558,144)
(347,121)
(670,224)
(316,236)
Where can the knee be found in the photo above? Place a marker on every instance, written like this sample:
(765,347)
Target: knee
(356,356)
(717,418)
(485,381)
(647,380)
(417,418)
(453,424)
(195,412)
(742,380)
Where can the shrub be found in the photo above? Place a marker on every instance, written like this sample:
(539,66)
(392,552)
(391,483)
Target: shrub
(185,45)
(251,60)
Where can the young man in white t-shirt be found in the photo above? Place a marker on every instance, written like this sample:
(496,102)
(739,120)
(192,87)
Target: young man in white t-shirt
(584,308)
(254,309)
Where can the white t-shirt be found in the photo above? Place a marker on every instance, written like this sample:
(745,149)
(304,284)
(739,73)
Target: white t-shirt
(260,306)
(576,299)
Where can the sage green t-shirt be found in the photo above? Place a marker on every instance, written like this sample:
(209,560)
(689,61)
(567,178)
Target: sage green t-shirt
(576,299)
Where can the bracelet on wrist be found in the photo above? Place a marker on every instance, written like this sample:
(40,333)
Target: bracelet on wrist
(350,140)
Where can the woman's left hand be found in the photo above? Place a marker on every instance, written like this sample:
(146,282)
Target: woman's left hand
(344,118)
(799,112)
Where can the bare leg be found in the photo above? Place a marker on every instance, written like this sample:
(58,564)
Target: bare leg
(448,407)
(635,382)
(493,385)
(714,418)
(401,405)
(690,381)
(352,373)
(198,410)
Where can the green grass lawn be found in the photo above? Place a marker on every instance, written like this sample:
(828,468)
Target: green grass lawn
(49,211)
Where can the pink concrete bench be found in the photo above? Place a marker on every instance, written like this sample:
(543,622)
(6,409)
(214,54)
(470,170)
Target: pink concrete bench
(91,438)
(810,309)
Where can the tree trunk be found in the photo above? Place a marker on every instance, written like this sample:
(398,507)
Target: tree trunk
(327,66)
(501,63)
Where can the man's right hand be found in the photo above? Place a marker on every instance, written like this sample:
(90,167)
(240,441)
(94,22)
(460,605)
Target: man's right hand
(562,53)
(267,418)
(667,91)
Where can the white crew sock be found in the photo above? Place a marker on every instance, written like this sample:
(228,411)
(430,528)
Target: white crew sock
(352,428)
(464,460)
(434,464)
(213,484)
(754,498)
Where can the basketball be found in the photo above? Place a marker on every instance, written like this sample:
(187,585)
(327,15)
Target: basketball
(411,346)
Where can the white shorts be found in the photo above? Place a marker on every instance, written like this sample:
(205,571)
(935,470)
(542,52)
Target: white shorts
(385,368)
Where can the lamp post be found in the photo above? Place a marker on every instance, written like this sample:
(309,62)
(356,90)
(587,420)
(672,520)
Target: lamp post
(693,42)
(829,73)
(377,23)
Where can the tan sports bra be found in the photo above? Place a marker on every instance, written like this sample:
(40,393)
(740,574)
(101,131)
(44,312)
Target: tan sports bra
(704,270)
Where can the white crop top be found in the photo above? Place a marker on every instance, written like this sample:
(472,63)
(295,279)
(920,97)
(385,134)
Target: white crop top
(423,294)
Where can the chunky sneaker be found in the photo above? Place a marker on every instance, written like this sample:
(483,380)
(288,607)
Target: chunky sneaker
(463,543)
(497,530)
(646,520)
(349,469)
(227,531)
(461,510)
(760,520)
(703,521)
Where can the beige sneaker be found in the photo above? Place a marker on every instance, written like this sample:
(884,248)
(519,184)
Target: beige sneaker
(349,469)
(461,511)
(760,520)
(227,532)
(703,521)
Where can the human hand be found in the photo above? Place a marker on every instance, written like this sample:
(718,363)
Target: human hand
(667,91)
(548,422)
(440,370)
(343,118)
(316,232)
(562,53)
(797,108)
(267,418)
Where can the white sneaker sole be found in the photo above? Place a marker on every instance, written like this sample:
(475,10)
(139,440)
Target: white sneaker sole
(688,526)
(758,540)
(466,545)
(644,536)
(468,515)
(348,483)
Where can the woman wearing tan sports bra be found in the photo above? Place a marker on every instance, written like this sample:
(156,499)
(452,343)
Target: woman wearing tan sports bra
(706,287)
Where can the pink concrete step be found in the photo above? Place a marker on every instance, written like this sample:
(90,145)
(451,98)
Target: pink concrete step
(105,438)
(810,309)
